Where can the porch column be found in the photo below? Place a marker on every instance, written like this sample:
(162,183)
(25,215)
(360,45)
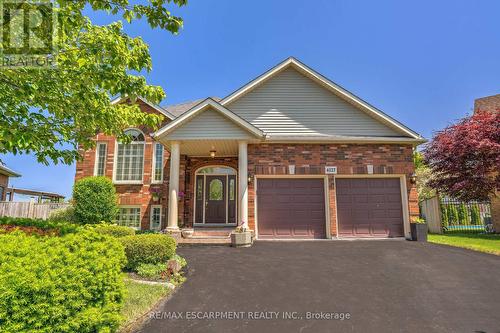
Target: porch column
(243,183)
(173,186)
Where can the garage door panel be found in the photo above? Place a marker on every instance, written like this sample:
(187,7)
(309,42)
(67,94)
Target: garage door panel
(362,229)
(291,208)
(369,207)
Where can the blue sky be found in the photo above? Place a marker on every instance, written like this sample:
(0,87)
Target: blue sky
(422,62)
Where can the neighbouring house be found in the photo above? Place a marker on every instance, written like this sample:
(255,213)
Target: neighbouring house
(491,104)
(290,154)
(5,174)
(7,193)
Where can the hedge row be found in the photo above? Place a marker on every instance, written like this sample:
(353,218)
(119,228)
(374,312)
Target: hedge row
(148,249)
(61,228)
(60,284)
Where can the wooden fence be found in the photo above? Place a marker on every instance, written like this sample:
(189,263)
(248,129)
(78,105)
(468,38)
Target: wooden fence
(29,209)
(430,211)
(445,215)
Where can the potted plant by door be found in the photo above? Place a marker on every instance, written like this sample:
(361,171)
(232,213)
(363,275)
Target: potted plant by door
(241,237)
(155,194)
(418,230)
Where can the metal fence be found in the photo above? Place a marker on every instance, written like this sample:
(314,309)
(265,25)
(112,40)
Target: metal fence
(29,209)
(458,216)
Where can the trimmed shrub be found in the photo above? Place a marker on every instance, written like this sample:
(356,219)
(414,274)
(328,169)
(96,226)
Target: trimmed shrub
(63,215)
(148,249)
(114,230)
(146,231)
(51,227)
(160,270)
(95,200)
(463,214)
(181,260)
(475,215)
(453,215)
(72,283)
(152,271)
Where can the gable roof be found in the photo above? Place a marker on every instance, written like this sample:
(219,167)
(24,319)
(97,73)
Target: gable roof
(8,172)
(202,106)
(178,109)
(154,106)
(331,86)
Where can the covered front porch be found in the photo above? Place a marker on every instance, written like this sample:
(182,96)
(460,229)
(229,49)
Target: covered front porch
(208,178)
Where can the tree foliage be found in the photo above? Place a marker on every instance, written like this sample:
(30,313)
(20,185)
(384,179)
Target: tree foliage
(465,157)
(51,111)
(424,176)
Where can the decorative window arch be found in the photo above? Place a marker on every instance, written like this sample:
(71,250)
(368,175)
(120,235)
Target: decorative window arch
(129,164)
(135,134)
(216,170)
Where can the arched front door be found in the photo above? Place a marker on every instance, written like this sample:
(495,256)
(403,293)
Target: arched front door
(215,196)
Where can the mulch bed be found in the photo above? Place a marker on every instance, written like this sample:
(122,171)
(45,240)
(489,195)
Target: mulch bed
(6,228)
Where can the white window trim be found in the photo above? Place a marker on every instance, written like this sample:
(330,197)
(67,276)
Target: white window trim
(140,214)
(151,216)
(153,171)
(96,162)
(115,162)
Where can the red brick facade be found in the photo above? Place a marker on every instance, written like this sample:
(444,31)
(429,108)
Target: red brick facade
(263,159)
(131,194)
(311,159)
(489,104)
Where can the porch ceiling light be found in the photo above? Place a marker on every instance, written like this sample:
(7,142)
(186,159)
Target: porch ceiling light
(212,153)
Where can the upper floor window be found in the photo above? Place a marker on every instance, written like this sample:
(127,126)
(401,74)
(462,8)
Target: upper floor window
(100,159)
(130,158)
(158,163)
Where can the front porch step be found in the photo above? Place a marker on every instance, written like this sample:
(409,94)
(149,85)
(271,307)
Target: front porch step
(215,232)
(226,241)
(209,236)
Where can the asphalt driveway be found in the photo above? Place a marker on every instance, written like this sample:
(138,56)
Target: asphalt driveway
(375,286)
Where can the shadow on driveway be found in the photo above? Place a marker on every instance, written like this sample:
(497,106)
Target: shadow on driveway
(384,286)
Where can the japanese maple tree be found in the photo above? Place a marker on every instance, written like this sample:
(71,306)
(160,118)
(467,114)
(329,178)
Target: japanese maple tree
(465,157)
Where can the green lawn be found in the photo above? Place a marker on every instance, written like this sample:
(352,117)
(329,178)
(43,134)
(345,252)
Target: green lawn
(139,299)
(489,243)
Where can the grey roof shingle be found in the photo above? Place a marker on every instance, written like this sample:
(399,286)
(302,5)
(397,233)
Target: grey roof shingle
(179,109)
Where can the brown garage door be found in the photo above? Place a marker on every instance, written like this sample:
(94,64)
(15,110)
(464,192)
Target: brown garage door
(369,207)
(291,208)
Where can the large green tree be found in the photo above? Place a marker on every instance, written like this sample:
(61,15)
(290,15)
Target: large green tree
(50,112)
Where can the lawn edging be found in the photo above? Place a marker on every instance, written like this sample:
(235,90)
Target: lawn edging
(486,243)
(140,320)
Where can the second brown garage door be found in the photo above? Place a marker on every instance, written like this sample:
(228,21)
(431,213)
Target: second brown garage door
(369,207)
(290,208)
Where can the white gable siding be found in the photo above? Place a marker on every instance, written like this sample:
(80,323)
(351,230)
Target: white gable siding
(209,124)
(292,104)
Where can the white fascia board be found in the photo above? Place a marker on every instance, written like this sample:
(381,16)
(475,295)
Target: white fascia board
(201,107)
(343,139)
(154,106)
